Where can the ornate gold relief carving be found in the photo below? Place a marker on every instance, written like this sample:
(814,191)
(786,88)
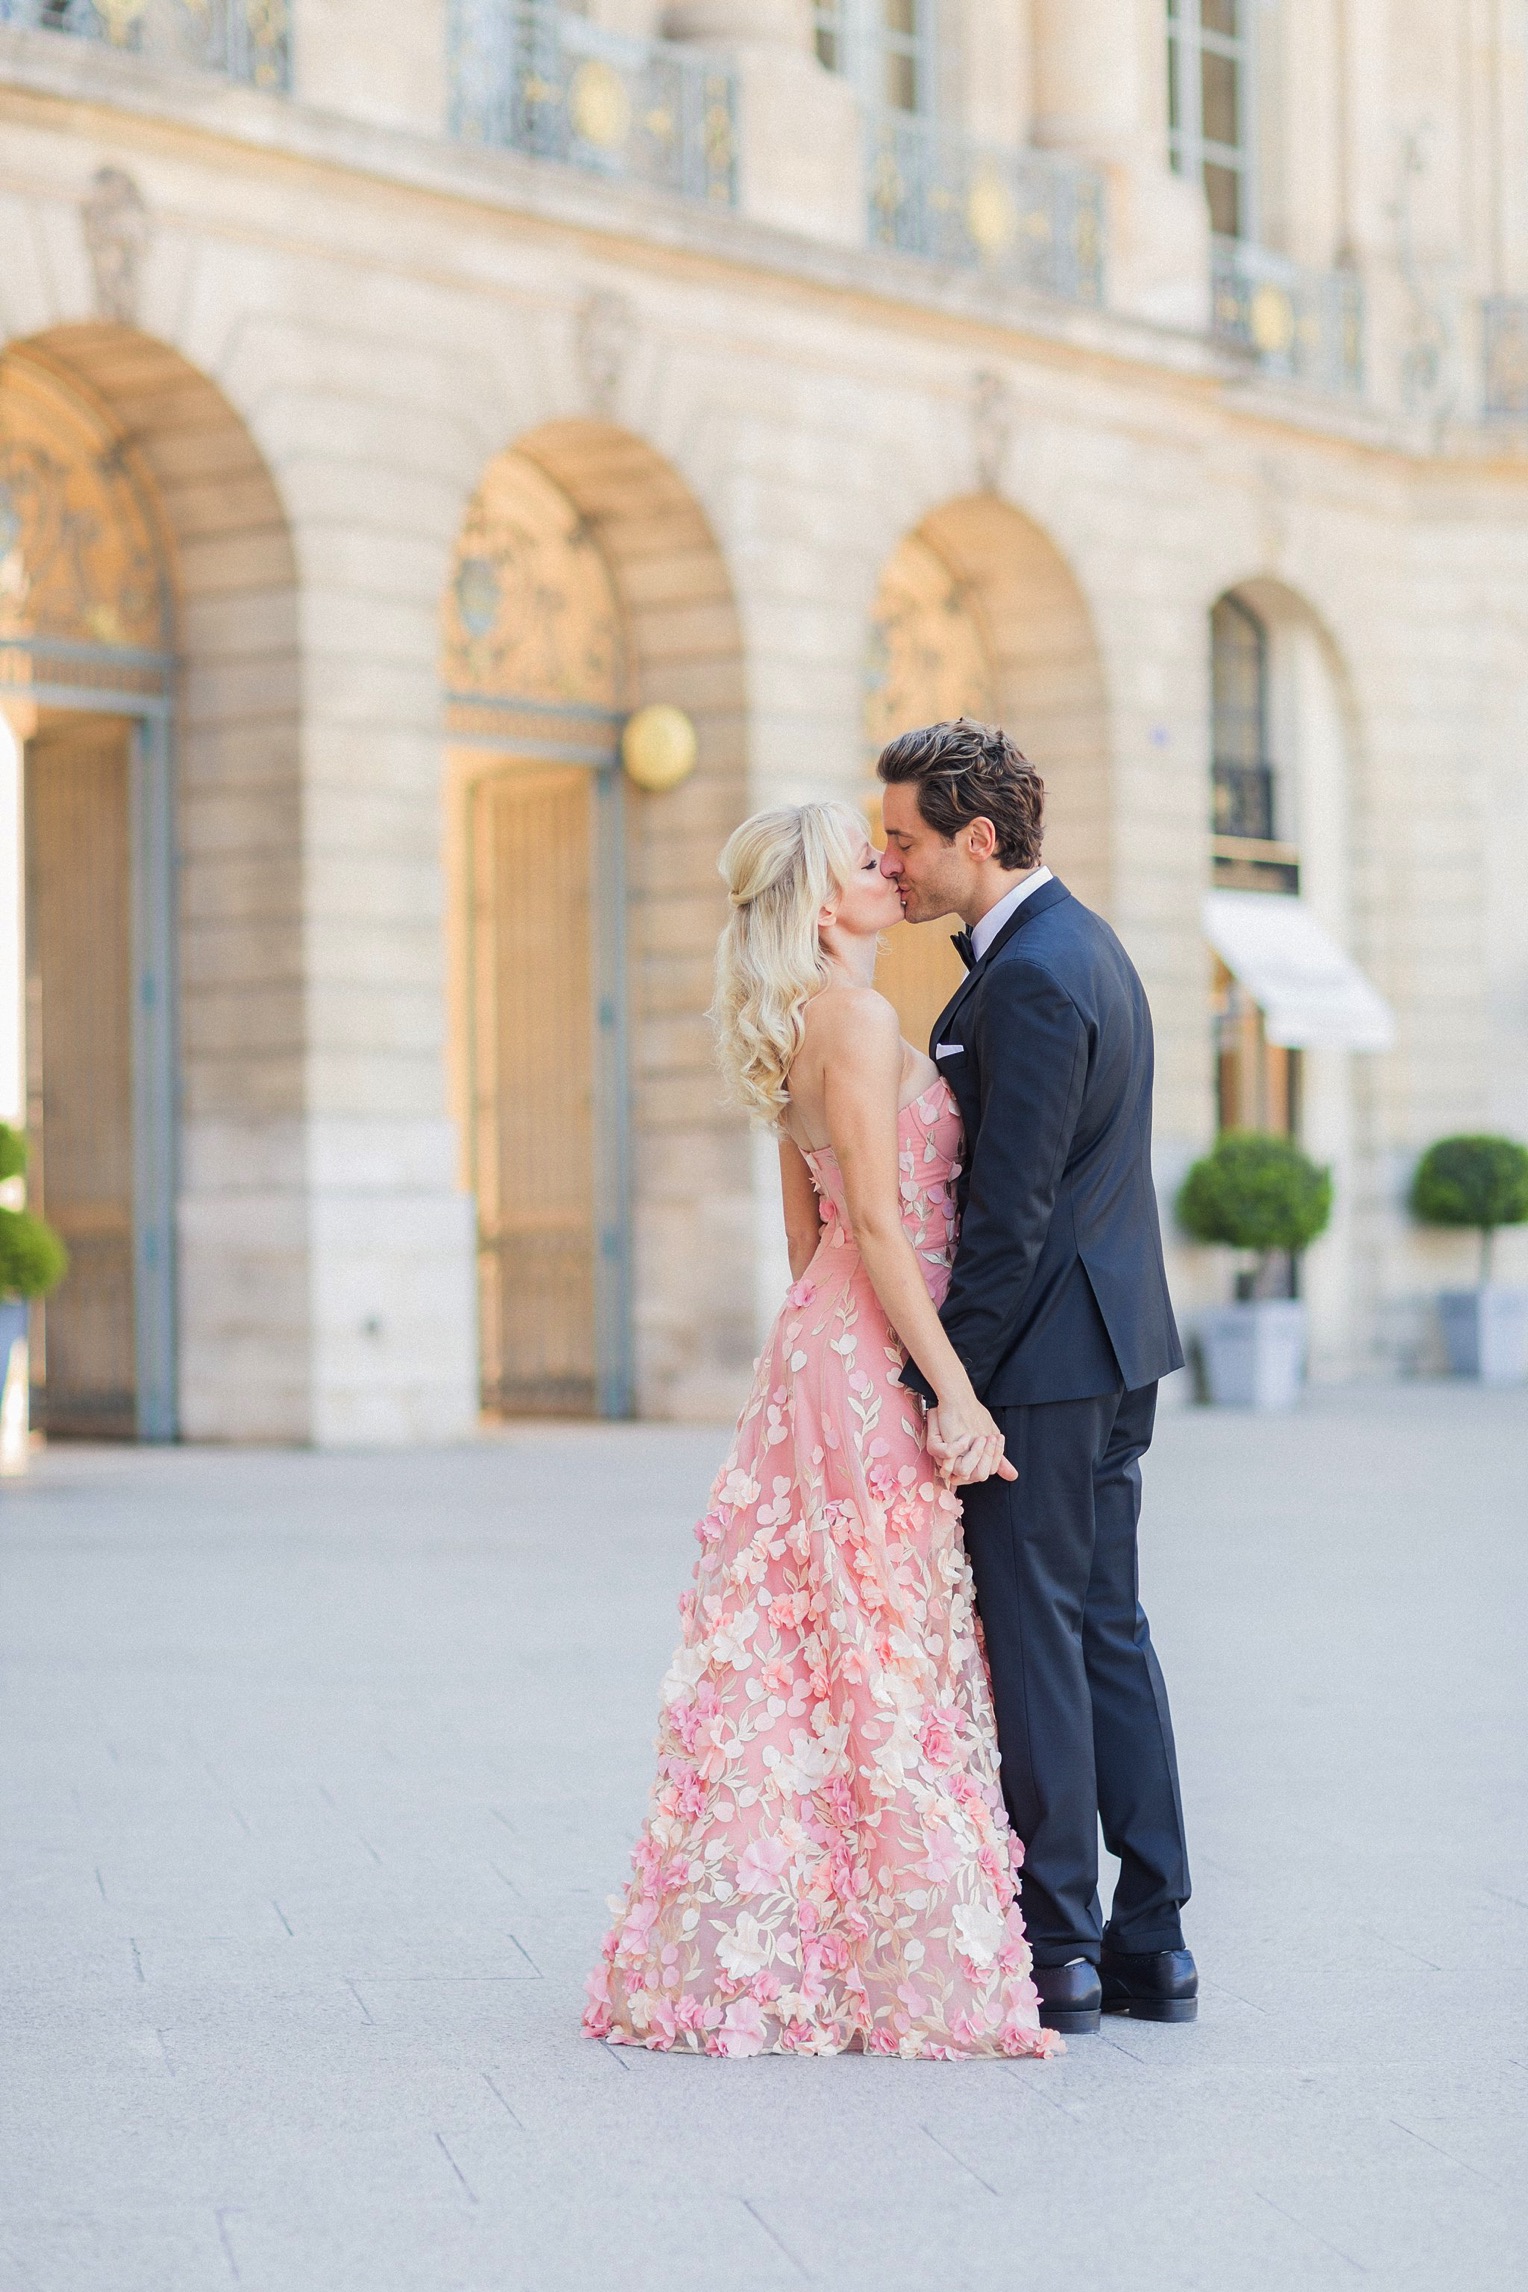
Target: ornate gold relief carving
(80,558)
(531,611)
(929,659)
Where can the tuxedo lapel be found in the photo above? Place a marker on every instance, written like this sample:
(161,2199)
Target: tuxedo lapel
(1049,895)
(946,1017)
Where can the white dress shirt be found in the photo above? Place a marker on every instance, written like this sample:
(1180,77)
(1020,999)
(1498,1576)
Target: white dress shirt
(983,933)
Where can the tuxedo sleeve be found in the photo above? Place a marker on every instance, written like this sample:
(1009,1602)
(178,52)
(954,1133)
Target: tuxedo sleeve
(1031,1050)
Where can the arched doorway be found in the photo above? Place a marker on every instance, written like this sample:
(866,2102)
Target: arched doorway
(536,674)
(977,615)
(150,665)
(586,583)
(86,658)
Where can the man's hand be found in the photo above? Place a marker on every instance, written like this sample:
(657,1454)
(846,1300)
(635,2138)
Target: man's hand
(966,1445)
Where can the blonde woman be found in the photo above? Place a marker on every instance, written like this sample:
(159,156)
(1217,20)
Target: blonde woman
(826,1865)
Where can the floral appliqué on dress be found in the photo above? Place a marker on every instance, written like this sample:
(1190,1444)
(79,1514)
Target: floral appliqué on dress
(826,1864)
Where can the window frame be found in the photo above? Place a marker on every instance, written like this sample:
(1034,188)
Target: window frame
(1190,151)
(853,39)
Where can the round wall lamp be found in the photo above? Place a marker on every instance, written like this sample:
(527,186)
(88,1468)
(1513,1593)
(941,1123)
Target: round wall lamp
(658,747)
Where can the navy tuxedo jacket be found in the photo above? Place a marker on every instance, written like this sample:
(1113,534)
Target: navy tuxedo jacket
(1058,1291)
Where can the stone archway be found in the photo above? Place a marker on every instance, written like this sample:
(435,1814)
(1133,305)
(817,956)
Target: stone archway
(587,582)
(177,759)
(978,614)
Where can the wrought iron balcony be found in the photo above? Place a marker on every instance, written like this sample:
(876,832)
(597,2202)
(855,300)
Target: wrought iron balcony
(1243,800)
(1504,357)
(1024,217)
(249,40)
(537,79)
(1302,324)
(1246,855)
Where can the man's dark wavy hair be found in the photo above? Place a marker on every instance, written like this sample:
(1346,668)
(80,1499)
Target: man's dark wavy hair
(965,772)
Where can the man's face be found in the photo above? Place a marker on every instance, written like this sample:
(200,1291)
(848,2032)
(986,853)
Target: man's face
(934,877)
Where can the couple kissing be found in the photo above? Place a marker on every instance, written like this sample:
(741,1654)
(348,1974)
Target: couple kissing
(914,1673)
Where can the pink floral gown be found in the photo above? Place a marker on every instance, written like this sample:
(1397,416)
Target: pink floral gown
(826,1865)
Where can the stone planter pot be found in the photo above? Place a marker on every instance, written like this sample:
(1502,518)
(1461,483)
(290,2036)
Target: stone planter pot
(1254,1355)
(1485,1332)
(13,1426)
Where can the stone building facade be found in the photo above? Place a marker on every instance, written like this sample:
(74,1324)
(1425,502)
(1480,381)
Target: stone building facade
(395,398)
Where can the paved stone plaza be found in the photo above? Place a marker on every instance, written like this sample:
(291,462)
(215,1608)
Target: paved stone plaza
(318,1768)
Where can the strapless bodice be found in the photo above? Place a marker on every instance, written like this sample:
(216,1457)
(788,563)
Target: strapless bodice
(930,1144)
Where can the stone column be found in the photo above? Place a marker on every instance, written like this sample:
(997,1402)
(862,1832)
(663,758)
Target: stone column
(759,23)
(1100,82)
(801,158)
(996,72)
(1087,77)
(377,60)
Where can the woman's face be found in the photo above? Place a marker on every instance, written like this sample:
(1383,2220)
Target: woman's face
(869,902)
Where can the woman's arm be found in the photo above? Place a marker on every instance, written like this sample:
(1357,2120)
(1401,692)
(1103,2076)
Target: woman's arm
(859,1043)
(803,1211)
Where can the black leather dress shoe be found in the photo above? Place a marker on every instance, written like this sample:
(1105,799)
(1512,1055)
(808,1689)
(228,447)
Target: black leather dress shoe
(1150,1985)
(1070,1997)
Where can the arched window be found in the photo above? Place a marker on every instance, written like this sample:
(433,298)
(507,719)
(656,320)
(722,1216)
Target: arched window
(1257,1082)
(1210,66)
(1239,681)
(887,46)
(1254,847)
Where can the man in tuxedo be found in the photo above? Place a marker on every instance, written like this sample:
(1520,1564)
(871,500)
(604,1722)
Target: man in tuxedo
(1058,1306)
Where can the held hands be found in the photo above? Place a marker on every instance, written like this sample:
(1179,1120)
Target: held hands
(965,1443)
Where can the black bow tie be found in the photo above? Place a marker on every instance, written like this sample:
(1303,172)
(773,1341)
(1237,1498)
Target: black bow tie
(961,942)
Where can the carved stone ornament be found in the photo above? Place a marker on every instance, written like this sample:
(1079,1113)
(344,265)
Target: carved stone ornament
(991,429)
(607,328)
(117,234)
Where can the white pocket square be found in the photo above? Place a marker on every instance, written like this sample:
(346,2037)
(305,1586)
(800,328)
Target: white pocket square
(949,1050)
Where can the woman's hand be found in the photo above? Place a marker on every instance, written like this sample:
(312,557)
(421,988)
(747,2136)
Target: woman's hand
(966,1443)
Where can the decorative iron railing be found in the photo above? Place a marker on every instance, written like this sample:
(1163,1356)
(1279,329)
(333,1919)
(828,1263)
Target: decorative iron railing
(1303,324)
(1024,217)
(1504,358)
(249,40)
(1243,796)
(540,80)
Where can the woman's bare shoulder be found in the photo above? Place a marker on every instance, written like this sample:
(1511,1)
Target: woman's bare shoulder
(851,1014)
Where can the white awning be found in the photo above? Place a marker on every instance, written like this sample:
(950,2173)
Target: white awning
(1309,992)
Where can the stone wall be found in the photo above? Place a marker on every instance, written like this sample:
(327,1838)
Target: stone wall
(342,317)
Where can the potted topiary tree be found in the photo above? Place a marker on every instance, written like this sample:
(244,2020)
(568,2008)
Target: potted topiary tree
(32,1261)
(1257,1193)
(1480,1183)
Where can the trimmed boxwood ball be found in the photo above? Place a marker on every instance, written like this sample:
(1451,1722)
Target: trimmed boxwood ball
(1475,1182)
(1256,1191)
(33,1259)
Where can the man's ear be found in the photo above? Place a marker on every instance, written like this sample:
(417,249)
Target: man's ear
(981,837)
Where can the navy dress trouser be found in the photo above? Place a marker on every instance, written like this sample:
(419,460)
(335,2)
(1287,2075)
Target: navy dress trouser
(1082,1718)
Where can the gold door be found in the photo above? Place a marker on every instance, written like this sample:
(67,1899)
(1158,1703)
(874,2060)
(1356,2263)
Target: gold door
(531,834)
(79,1056)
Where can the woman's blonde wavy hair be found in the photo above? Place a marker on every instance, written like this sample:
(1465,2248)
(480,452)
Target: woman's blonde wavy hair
(780,869)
